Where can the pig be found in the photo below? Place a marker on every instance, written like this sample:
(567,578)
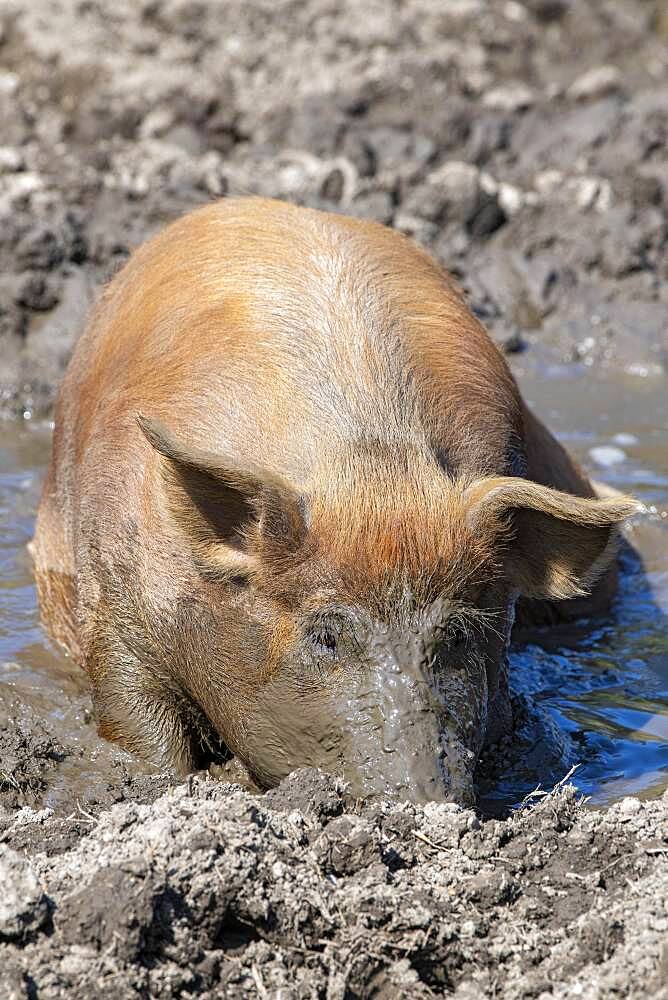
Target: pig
(294,500)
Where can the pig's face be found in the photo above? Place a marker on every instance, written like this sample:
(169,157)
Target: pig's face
(396,704)
(362,627)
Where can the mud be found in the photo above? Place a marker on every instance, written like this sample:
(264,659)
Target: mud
(524,144)
(211,892)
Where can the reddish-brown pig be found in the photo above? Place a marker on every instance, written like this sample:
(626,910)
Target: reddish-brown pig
(294,498)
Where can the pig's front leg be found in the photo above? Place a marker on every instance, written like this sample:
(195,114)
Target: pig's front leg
(151,716)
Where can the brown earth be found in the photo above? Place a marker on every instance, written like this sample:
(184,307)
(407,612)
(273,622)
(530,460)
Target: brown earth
(525,143)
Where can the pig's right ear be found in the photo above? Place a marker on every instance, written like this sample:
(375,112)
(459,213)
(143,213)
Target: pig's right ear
(232,513)
(556,545)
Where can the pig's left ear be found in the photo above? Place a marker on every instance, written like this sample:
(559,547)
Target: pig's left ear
(556,545)
(232,512)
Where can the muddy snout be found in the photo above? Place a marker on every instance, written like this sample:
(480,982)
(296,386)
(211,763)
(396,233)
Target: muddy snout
(411,725)
(401,723)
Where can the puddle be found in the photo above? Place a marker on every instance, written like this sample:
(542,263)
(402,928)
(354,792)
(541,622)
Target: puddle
(24,452)
(606,688)
(47,685)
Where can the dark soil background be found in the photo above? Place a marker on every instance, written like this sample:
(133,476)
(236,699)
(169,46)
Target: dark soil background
(525,144)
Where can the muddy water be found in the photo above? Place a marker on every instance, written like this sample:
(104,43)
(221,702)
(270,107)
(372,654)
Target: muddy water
(36,681)
(24,658)
(605,687)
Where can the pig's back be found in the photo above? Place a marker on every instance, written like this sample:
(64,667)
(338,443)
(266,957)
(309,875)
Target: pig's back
(273,333)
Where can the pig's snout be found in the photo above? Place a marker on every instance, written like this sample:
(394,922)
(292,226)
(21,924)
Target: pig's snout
(402,723)
(411,726)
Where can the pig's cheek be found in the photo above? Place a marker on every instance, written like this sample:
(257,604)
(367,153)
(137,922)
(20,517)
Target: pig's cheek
(289,728)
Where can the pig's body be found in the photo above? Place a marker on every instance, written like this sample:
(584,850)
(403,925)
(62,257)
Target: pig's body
(328,434)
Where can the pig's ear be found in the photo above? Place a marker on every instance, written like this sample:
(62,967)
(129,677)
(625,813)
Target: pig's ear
(232,512)
(557,544)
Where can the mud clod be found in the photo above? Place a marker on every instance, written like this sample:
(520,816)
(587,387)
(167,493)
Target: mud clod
(23,905)
(210,891)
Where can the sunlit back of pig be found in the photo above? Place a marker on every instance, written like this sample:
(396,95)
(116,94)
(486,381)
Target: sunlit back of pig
(293,500)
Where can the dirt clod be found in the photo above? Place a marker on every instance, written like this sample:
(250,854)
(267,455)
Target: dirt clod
(23,905)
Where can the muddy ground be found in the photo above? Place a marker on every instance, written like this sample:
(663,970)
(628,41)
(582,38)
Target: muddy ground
(211,892)
(525,144)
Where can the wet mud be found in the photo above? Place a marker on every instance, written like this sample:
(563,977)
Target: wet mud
(524,143)
(211,892)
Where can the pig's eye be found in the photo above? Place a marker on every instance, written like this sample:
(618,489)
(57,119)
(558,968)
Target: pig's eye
(453,639)
(458,640)
(327,634)
(325,643)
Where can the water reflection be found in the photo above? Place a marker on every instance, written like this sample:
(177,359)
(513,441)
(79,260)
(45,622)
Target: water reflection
(607,688)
